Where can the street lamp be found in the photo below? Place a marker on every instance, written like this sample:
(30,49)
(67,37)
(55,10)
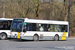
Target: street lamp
(52,1)
(53,9)
(3,9)
(69,15)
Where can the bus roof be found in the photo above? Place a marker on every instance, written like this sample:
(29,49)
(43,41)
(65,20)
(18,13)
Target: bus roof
(44,21)
(6,19)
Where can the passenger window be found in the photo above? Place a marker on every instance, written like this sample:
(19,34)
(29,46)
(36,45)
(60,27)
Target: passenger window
(64,28)
(57,28)
(60,28)
(52,28)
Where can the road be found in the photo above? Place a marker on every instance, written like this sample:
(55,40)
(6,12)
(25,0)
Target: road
(14,44)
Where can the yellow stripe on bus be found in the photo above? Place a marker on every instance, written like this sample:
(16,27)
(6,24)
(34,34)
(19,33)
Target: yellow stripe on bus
(64,36)
(18,36)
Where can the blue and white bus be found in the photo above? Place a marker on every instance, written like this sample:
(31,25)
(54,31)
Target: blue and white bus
(35,29)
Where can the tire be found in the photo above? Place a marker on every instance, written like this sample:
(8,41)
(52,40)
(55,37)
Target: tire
(56,38)
(3,36)
(36,38)
(0,36)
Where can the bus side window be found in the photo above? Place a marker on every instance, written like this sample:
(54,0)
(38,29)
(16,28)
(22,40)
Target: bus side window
(27,26)
(1,25)
(33,26)
(57,28)
(9,24)
(64,28)
(52,27)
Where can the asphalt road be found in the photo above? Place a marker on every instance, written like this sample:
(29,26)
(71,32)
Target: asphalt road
(14,44)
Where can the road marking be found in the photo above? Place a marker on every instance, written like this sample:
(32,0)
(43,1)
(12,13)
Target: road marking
(65,47)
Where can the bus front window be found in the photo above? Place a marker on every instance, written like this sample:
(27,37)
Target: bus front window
(16,26)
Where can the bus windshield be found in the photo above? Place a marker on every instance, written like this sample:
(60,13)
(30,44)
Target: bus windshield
(16,26)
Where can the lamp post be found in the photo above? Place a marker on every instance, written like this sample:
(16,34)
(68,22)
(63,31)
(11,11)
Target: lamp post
(53,10)
(69,15)
(3,9)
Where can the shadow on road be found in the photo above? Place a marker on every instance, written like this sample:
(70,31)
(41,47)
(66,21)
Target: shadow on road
(19,40)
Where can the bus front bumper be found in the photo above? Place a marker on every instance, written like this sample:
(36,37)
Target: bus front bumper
(13,36)
(63,38)
(8,36)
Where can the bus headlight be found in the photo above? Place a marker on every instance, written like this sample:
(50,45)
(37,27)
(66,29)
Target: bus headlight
(10,33)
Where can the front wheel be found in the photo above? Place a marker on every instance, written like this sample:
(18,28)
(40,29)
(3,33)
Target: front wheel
(3,36)
(56,38)
(35,38)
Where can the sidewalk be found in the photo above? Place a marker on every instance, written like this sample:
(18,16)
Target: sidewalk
(71,37)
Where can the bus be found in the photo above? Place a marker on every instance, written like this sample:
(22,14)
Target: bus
(5,24)
(36,29)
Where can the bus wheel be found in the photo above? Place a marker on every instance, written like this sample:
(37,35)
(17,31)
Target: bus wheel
(35,38)
(56,37)
(3,36)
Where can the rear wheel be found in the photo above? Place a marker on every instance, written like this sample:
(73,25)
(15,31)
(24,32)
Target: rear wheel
(3,36)
(56,38)
(35,38)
